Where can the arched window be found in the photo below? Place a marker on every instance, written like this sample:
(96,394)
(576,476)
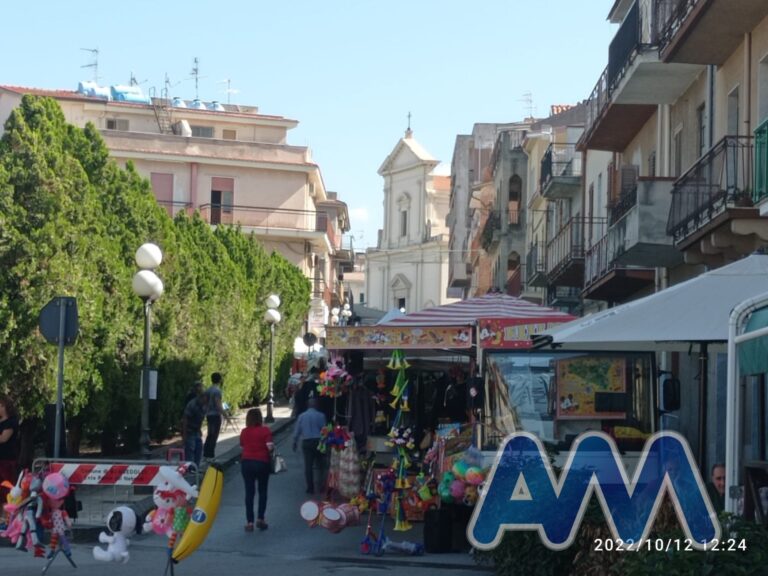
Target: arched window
(515,193)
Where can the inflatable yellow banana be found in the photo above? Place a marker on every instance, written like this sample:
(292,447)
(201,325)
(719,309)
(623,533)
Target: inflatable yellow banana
(204,514)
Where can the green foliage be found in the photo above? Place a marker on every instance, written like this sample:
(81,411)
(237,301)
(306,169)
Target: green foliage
(70,222)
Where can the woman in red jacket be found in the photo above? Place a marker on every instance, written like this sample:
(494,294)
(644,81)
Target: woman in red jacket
(256,442)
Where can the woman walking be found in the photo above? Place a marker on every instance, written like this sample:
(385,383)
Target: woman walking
(256,442)
(9,443)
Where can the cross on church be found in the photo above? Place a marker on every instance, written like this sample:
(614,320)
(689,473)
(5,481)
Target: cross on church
(409,120)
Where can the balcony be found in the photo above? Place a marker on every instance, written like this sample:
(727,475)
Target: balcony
(345,253)
(760,193)
(637,231)
(491,234)
(565,255)
(712,211)
(634,82)
(606,279)
(566,298)
(706,31)
(535,265)
(272,223)
(560,172)
(321,289)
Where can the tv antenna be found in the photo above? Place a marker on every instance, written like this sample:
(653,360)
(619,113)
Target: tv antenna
(93,63)
(229,89)
(527,99)
(167,85)
(196,75)
(134,82)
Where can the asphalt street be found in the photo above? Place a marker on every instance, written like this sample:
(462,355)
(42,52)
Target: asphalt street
(288,547)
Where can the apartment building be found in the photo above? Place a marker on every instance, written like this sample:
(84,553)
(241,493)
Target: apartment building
(676,153)
(230,163)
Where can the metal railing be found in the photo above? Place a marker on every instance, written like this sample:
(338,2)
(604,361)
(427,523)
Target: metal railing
(264,217)
(669,16)
(559,160)
(721,179)
(761,162)
(492,225)
(535,262)
(622,205)
(567,244)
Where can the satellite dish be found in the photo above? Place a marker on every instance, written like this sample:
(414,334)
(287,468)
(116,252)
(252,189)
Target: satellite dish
(309,339)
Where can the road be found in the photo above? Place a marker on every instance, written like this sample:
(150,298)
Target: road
(289,547)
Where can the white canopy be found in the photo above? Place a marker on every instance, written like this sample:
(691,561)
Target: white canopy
(693,311)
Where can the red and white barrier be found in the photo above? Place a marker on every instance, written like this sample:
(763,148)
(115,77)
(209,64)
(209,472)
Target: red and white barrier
(110,474)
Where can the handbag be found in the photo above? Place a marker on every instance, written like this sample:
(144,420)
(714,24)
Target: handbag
(276,463)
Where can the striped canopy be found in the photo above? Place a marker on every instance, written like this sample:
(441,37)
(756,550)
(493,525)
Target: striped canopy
(489,306)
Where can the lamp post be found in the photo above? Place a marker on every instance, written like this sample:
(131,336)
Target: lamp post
(346,314)
(149,288)
(271,316)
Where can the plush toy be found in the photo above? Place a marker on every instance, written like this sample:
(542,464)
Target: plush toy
(55,489)
(31,510)
(171,496)
(121,523)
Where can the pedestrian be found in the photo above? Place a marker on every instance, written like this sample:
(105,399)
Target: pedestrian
(307,390)
(309,426)
(9,443)
(214,416)
(716,487)
(194,391)
(192,428)
(256,443)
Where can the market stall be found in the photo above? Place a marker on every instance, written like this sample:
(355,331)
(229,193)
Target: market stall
(425,369)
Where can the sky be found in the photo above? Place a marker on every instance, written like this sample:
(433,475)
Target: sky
(349,71)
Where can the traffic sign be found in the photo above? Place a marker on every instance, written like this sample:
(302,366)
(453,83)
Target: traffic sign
(52,316)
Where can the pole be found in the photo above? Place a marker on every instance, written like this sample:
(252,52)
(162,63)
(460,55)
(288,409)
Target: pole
(145,452)
(271,398)
(60,379)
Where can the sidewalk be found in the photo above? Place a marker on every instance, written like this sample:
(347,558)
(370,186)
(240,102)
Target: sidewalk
(97,501)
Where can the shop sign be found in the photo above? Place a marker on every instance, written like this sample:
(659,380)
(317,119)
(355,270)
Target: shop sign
(390,337)
(505,333)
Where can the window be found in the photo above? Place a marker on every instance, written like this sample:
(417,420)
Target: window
(515,193)
(677,152)
(202,131)
(701,130)
(228,134)
(401,304)
(733,112)
(162,186)
(361,298)
(117,124)
(762,90)
(652,164)
(404,223)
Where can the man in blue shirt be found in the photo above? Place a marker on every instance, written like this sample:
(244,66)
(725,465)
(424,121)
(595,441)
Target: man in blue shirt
(309,426)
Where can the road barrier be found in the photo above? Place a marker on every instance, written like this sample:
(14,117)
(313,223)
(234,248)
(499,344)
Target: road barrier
(102,485)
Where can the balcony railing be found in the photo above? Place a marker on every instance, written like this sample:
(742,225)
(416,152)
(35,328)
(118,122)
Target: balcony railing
(669,16)
(321,289)
(568,244)
(599,259)
(721,179)
(535,263)
(761,162)
(560,160)
(265,217)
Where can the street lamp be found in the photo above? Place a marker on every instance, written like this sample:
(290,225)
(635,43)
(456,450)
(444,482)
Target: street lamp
(148,287)
(346,314)
(271,316)
(335,315)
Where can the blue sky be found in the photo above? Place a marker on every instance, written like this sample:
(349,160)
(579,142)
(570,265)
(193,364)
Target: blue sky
(348,70)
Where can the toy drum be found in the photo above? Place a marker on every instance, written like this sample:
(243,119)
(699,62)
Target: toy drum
(310,512)
(350,514)
(331,519)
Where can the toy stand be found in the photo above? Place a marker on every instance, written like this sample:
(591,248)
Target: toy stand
(52,558)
